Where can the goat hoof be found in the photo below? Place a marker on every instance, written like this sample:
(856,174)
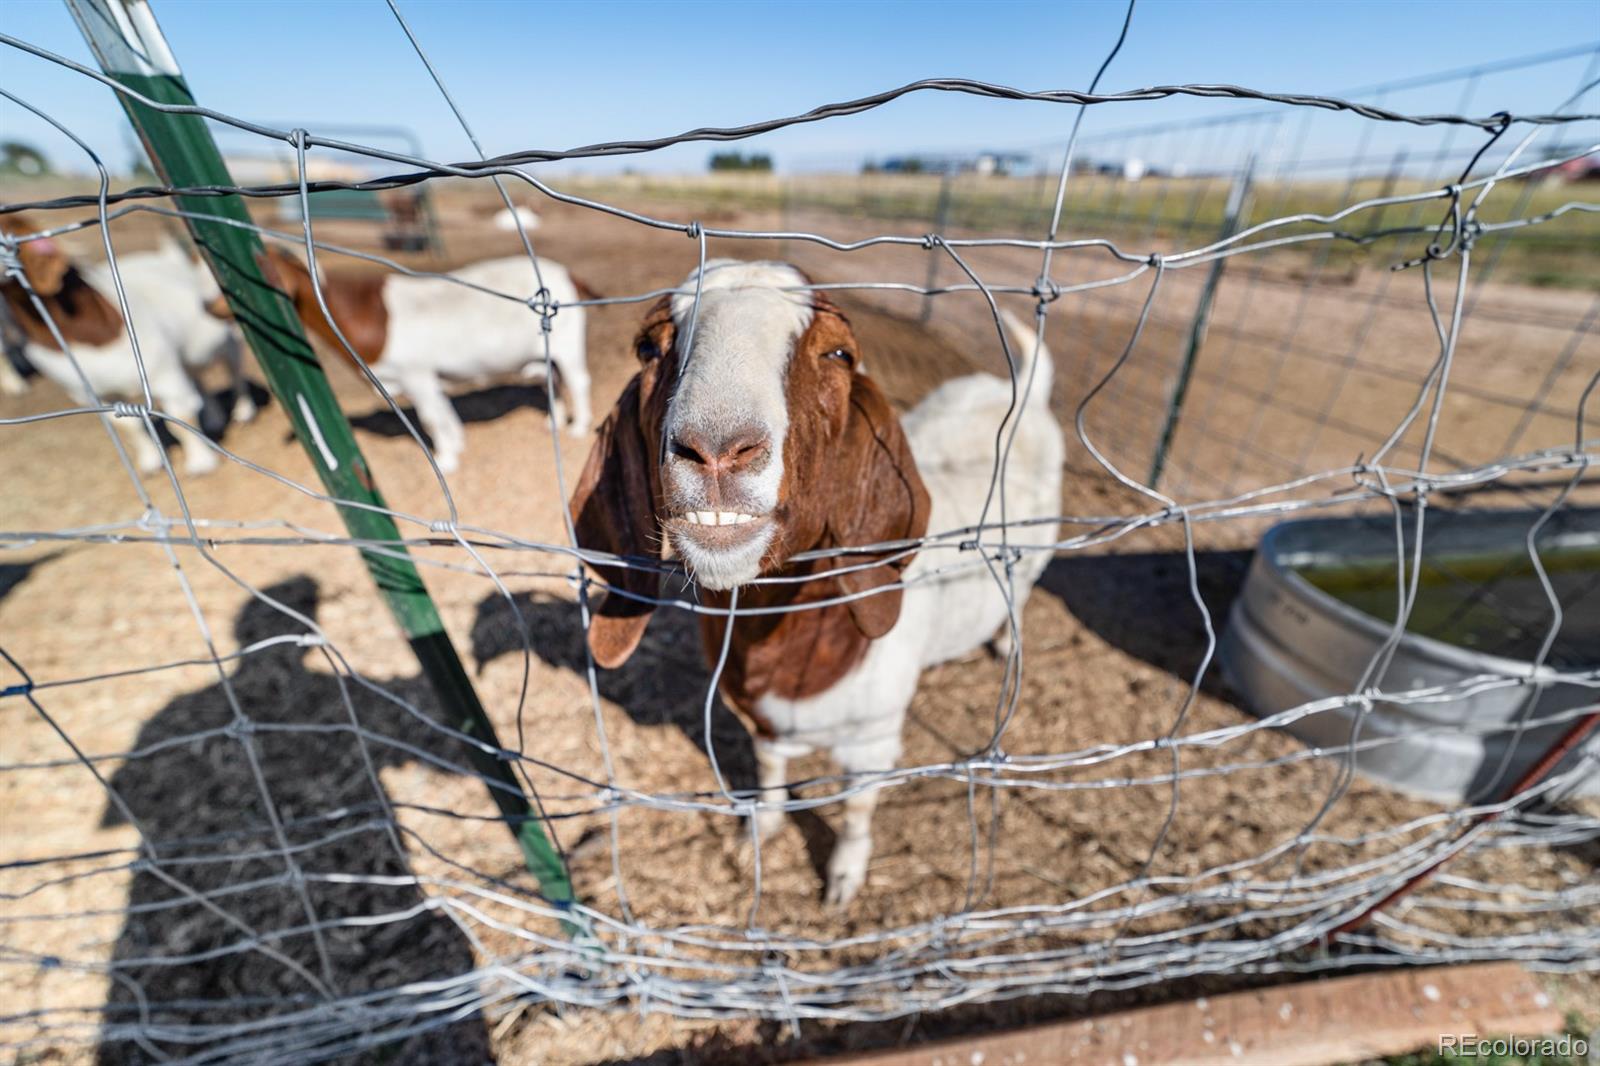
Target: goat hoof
(842,889)
(198,467)
(244,411)
(768,823)
(8,387)
(847,871)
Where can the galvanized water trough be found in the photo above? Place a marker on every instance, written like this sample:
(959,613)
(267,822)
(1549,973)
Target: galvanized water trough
(1320,602)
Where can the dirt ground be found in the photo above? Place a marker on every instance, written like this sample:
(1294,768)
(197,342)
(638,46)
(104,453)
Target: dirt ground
(1111,641)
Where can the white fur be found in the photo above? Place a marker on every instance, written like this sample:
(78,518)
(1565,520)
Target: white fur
(506,220)
(438,329)
(11,382)
(166,300)
(733,378)
(952,604)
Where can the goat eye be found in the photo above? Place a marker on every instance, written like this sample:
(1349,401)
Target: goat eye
(842,355)
(649,351)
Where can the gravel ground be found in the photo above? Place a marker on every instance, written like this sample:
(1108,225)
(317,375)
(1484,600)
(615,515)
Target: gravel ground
(1111,641)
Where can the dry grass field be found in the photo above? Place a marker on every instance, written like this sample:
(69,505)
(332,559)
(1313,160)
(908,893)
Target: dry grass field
(1111,644)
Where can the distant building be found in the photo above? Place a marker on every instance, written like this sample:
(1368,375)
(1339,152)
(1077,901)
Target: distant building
(267,170)
(985,164)
(1584,168)
(1131,169)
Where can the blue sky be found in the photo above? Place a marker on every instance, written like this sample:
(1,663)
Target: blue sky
(563,74)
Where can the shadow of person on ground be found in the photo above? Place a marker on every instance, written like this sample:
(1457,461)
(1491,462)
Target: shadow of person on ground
(207,972)
(14,574)
(663,684)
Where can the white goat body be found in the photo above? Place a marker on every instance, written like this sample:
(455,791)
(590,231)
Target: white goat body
(166,292)
(439,330)
(762,438)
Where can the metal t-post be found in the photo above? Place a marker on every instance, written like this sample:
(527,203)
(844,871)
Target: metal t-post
(130,48)
(1232,218)
(941,223)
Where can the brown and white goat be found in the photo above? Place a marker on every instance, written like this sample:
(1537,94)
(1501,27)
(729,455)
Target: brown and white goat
(765,439)
(167,291)
(413,332)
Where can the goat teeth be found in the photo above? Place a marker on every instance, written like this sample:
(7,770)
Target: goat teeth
(717,518)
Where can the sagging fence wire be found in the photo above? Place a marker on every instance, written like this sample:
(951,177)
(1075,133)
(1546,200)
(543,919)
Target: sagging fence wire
(1262,913)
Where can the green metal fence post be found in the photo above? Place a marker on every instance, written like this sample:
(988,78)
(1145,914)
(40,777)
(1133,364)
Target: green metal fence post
(130,48)
(1232,218)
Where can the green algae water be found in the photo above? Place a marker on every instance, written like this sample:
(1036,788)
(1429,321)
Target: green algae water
(1483,601)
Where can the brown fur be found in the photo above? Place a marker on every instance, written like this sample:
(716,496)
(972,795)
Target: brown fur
(849,479)
(82,313)
(355,301)
(616,501)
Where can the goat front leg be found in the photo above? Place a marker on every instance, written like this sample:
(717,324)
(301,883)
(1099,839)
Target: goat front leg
(772,767)
(11,382)
(847,866)
(546,373)
(244,405)
(438,417)
(178,396)
(575,380)
(144,449)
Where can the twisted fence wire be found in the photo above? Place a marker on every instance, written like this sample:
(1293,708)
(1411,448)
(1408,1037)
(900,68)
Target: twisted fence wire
(972,953)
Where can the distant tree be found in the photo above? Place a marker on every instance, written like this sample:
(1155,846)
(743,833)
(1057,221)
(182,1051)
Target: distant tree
(757,162)
(23,159)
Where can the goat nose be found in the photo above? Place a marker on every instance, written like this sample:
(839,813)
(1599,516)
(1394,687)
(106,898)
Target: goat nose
(734,453)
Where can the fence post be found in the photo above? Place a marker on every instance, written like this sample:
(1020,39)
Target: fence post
(1232,219)
(785,212)
(941,222)
(1397,166)
(129,46)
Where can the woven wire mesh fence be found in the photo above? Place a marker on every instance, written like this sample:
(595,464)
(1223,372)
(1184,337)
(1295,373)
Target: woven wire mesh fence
(303,856)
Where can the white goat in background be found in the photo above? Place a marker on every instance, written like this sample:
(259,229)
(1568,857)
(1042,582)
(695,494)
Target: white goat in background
(167,290)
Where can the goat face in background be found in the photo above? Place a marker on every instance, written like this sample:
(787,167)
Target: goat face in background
(757,438)
(81,313)
(72,307)
(44,261)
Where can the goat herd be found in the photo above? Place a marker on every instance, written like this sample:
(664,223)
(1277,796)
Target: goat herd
(750,449)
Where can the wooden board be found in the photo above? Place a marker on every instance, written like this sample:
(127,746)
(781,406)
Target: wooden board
(1343,1019)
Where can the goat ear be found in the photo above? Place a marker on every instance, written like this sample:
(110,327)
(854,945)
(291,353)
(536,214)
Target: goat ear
(46,264)
(613,510)
(274,270)
(880,498)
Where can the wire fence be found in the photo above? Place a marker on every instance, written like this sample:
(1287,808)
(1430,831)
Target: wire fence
(314,868)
